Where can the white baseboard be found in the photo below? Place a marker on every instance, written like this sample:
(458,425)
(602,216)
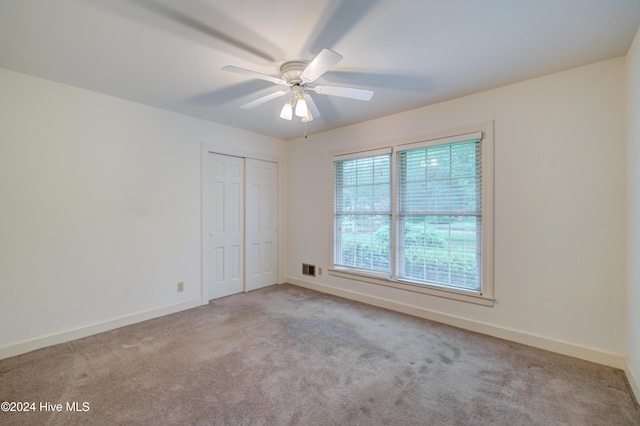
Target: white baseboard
(541,342)
(632,378)
(80,332)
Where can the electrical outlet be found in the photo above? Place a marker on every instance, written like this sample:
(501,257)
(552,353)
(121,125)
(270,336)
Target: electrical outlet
(181,286)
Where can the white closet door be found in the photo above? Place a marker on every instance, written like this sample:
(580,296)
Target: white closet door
(261,231)
(225,226)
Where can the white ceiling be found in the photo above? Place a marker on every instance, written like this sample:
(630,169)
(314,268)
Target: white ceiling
(412,53)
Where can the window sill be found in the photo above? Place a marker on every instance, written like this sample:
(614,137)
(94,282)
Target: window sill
(460,295)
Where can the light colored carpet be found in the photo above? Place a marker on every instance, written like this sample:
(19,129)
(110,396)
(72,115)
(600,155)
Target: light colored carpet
(285,355)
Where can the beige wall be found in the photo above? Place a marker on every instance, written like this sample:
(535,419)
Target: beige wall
(633,213)
(100,210)
(559,210)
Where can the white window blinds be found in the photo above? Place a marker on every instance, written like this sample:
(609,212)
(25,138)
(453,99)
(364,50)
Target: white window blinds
(439,217)
(362,211)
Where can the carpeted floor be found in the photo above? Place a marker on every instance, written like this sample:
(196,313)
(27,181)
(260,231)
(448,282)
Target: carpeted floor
(285,355)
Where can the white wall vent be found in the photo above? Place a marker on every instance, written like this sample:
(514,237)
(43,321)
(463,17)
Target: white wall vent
(309,270)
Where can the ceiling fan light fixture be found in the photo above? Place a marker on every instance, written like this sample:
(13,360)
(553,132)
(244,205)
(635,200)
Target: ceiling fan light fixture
(307,117)
(301,108)
(287,111)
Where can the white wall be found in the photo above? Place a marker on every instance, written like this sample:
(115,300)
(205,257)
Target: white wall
(99,210)
(559,210)
(633,213)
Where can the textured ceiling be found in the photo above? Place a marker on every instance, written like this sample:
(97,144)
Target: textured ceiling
(411,53)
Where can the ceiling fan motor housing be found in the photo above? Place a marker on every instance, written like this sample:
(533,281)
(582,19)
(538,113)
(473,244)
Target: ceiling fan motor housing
(290,71)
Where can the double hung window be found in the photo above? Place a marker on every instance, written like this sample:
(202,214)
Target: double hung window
(362,211)
(439,215)
(415,214)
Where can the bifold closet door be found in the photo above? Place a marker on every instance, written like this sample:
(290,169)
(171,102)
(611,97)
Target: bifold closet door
(261,242)
(224,270)
(240,197)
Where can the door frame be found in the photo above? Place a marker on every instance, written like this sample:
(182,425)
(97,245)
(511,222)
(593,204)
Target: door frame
(209,147)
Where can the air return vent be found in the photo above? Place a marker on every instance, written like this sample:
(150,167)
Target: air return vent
(309,270)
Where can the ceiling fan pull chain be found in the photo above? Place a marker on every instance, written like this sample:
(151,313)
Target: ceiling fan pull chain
(305,129)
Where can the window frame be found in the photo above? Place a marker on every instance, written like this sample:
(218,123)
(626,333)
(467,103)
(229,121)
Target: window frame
(486,295)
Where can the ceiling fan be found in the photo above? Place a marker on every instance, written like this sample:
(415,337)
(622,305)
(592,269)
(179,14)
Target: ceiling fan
(300,76)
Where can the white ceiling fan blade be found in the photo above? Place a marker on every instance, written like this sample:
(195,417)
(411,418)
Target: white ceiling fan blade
(312,106)
(320,64)
(264,99)
(254,74)
(345,92)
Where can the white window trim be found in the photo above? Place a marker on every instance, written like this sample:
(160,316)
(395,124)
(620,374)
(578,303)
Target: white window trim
(486,297)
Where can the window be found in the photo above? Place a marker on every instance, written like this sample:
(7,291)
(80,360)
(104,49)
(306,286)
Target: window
(417,216)
(439,217)
(362,219)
